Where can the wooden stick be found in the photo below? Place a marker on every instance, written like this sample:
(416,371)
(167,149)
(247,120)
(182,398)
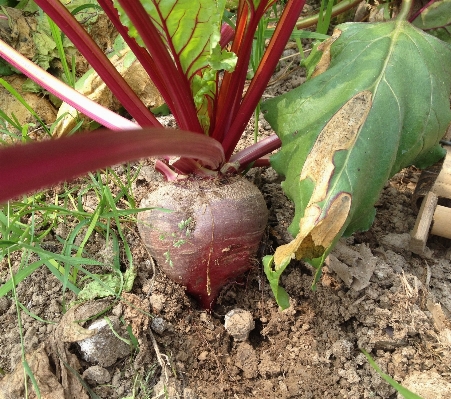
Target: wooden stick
(420,232)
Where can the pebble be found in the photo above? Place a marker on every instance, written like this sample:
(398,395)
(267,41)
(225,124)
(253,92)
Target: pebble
(428,385)
(157,301)
(239,323)
(158,325)
(4,304)
(203,356)
(97,375)
(104,348)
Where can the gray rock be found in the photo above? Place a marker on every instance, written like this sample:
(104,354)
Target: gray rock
(4,304)
(97,375)
(104,348)
(427,384)
(158,325)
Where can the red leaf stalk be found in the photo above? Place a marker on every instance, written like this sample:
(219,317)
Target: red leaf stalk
(263,74)
(176,82)
(141,53)
(98,60)
(80,102)
(41,162)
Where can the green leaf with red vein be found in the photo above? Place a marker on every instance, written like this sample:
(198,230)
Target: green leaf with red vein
(191,31)
(28,167)
(189,28)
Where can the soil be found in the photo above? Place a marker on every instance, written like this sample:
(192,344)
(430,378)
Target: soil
(374,294)
(310,350)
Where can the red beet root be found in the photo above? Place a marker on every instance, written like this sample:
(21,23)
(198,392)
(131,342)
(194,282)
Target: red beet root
(211,235)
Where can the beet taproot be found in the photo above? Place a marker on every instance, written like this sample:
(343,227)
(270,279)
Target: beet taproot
(210,234)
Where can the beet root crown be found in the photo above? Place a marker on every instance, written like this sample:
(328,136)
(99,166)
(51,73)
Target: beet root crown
(210,235)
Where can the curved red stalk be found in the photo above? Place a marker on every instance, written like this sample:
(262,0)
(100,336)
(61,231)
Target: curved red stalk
(141,54)
(98,60)
(66,93)
(252,154)
(262,162)
(31,166)
(185,166)
(165,170)
(263,74)
(227,34)
(256,151)
(415,15)
(233,82)
(176,82)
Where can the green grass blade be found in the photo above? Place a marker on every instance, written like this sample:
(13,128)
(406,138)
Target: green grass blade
(21,275)
(69,244)
(133,340)
(125,190)
(10,121)
(17,95)
(299,34)
(90,230)
(62,258)
(109,198)
(33,315)
(324,17)
(57,271)
(6,244)
(403,391)
(30,375)
(116,250)
(58,38)
(76,10)
(124,340)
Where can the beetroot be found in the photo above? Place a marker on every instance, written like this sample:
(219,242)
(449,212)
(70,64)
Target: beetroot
(210,237)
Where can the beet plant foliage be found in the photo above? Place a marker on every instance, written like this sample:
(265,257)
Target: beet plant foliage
(199,66)
(378,101)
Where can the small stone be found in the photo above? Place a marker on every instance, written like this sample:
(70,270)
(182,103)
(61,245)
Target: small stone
(118,310)
(206,319)
(157,302)
(342,349)
(4,304)
(158,324)
(104,348)
(239,323)
(203,356)
(96,375)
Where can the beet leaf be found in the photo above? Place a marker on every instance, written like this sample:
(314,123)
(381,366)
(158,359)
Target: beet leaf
(381,104)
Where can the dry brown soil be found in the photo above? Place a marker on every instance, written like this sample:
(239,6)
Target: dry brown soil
(310,350)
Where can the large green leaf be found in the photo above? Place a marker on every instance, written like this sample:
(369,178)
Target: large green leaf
(379,102)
